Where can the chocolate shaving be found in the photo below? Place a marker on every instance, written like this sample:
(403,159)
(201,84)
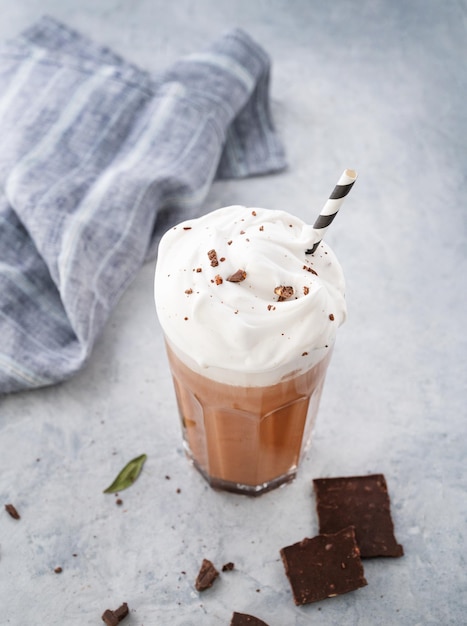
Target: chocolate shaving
(112,618)
(310,269)
(237,276)
(284,292)
(228,567)
(10,509)
(206,576)
(213,258)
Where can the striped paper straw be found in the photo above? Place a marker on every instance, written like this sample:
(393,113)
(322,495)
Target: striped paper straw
(332,206)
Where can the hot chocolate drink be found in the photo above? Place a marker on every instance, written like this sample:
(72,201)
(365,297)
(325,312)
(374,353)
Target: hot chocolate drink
(250,321)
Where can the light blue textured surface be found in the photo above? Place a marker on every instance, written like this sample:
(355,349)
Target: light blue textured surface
(377,86)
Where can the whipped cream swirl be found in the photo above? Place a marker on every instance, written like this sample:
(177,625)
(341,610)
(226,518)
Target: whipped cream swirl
(240,302)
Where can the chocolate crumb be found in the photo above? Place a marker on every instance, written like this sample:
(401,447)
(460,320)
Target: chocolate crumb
(261,228)
(179,490)
(185,318)
(112,618)
(11,510)
(229,243)
(222,259)
(284,292)
(306,290)
(218,279)
(237,276)
(58,570)
(228,567)
(212,254)
(242,232)
(331,317)
(122,611)
(304,353)
(253,213)
(310,269)
(188,291)
(206,576)
(187,228)
(119,502)
(199,269)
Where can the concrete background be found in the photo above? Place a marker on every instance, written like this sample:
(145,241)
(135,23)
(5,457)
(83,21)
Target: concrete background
(372,85)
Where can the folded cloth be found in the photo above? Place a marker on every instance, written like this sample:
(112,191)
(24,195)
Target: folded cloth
(97,159)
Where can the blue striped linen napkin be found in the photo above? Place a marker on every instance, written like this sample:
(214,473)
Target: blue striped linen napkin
(98,158)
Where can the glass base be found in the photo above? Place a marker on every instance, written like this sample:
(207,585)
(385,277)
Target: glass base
(246,490)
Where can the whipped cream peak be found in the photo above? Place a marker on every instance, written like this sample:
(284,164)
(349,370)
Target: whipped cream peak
(238,298)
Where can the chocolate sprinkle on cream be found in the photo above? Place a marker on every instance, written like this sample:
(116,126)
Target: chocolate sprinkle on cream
(213,258)
(331,317)
(237,276)
(218,279)
(310,269)
(284,292)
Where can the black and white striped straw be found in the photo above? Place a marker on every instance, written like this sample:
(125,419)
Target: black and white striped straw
(332,206)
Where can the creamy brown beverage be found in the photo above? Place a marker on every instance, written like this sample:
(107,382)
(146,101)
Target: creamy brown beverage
(246,438)
(250,322)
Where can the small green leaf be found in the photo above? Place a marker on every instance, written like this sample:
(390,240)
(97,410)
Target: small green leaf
(128,475)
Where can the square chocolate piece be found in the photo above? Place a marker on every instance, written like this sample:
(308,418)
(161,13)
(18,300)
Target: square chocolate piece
(362,502)
(324,566)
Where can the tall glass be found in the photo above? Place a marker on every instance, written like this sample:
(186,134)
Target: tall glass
(250,320)
(246,439)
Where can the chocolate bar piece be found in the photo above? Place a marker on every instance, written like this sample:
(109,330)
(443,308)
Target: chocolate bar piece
(242,619)
(206,576)
(362,502)
(324,566)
